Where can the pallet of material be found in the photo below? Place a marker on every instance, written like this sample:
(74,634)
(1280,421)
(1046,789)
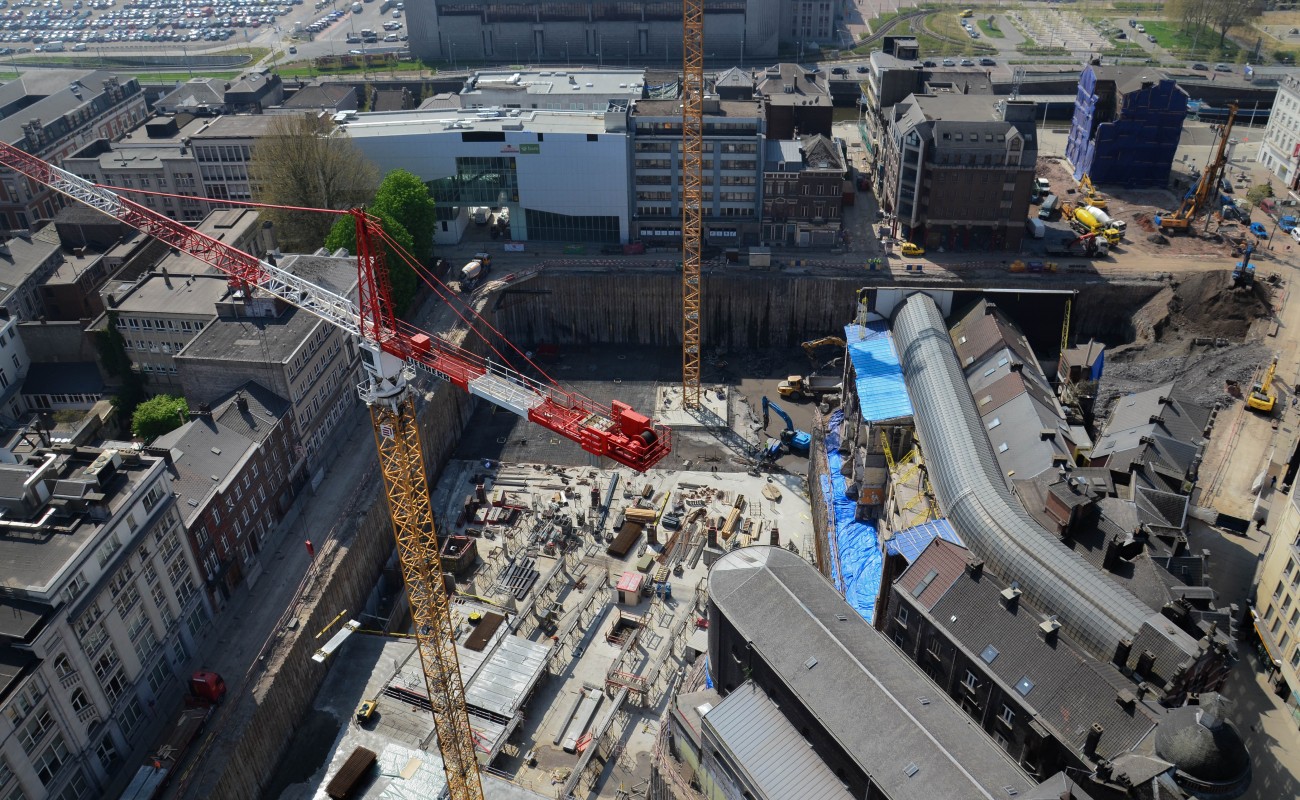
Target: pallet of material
(642,515)
(625,539)
(345,781)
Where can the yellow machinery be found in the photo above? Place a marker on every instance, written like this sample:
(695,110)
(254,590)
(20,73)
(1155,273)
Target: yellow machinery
(1262,397)
(1095,198)
(692,193)
(810,347)
(1196,200)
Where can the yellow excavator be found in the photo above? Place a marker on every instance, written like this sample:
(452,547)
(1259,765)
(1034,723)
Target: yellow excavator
(1095,198)
(1262,398)
(810,347)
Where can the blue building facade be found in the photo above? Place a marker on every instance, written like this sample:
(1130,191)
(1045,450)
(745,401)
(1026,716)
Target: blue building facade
(1126,126)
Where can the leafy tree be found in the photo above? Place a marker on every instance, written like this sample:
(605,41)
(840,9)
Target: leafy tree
(1228,15)
(159,415)
(406,199)
(401,277)
(304,161)
(1257,194)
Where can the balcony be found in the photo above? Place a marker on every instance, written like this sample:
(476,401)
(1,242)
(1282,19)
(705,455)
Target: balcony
(70,680)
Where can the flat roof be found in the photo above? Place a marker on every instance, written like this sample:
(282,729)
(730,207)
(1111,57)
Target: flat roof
(742,109)
(140,136)
(234,126)
(894,718)
(882,394)
(171,295)
(21,256)
(429,120)
(566,83)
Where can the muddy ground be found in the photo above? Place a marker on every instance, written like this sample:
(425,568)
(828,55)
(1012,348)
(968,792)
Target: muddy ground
(1198,333)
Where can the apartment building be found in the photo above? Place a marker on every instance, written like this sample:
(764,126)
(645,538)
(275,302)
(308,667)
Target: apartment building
(797,102)
(303,359)
(102,612)
(803,182)
(158,315)
(1276,606)
(958,170)
(733,171)
(233,468)
(51,114)
(14,364)
(1279,150)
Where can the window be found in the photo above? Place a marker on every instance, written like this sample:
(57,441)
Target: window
(196,621)
(131,716)
(107,752)
(34,729)
(1008,716)
(63,667)
(80,702)
(51,761)
(902,616)
(970,681)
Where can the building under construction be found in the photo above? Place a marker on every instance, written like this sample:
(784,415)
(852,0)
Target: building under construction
(1126,126)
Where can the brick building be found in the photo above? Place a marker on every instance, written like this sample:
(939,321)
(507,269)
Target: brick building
(802,189)
(233,468)
(959,169)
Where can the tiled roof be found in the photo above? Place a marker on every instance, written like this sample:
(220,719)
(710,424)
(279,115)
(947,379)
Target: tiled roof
(933,572)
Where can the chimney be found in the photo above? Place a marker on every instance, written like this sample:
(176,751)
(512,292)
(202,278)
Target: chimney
(241,402)
(1111,556)
(205,410)
(1093,739)
(975,568)
(167,281)
(1011,597)
(1016,366)
(1048,629)
(1145,662)
(1122,651)
(990,309)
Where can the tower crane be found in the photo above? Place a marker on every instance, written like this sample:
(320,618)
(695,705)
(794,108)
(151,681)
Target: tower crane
(392,352)
(692,193)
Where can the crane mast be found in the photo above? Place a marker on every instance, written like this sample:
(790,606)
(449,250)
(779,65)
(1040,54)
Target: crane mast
(692,194)
(391,353)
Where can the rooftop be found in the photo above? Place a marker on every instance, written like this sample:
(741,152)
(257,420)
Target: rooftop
(792,85)
(195,93)
(236,126)
(741,109)
(68,520)
(172,295)
(1067,690)
(894,718)
(22,256)
(567,83)
(185,124)
(206,455)
(63,378)
(882,395)
(47,95)
(426,121)
(325,95)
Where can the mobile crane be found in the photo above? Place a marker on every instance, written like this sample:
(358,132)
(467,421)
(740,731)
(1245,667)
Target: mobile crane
(392,351)
(1195,200)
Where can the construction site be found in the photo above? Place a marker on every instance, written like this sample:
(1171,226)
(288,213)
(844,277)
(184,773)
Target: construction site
(661,532)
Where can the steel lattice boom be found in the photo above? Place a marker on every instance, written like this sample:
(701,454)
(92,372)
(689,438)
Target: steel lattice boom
(402,462)
(692,193)
(614,431)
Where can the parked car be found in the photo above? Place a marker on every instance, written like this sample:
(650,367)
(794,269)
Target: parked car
(911,249)
(1121,35)
(1222,68)
(1151,38)
(861,70)
(929,64)
(1200,67)
(839,71)
(1257,229)
(948,62)
(966,62)
(988,62)
(1132,23)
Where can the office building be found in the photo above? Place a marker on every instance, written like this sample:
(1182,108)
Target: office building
(164,168)
(1279,150)
(158,315)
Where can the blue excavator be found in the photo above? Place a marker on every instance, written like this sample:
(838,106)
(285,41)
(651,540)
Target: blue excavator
(797,441)
(1244,273)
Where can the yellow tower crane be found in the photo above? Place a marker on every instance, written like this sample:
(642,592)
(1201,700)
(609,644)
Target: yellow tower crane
(692,193)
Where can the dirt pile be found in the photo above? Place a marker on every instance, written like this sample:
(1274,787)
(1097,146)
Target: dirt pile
(1192,333)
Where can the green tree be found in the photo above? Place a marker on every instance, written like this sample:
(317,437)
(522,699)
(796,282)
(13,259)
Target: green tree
(404,282)
(1257,194)
(406,199)
(305,162)
(157,416)
(1231,14)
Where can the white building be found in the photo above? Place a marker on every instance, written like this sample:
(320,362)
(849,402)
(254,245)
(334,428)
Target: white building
(552,90)
(562,174)
(14,364)
(1280,150)
(101,614)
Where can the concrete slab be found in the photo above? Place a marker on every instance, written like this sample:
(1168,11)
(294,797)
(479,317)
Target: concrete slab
(713,411)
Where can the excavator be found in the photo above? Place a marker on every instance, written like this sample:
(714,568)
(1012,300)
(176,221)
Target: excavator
(1207,188)
(799,442)
(1095,198)
(1262,398)
(810,347)
(1243,274)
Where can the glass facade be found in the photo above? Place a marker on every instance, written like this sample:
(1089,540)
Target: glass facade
(549,226)
(479,180)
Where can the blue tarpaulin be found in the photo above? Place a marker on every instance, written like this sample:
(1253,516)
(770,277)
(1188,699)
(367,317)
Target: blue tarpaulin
(911,542)
(857,563)
(882,394)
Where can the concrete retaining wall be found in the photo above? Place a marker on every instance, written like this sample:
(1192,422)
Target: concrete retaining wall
(743,310)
